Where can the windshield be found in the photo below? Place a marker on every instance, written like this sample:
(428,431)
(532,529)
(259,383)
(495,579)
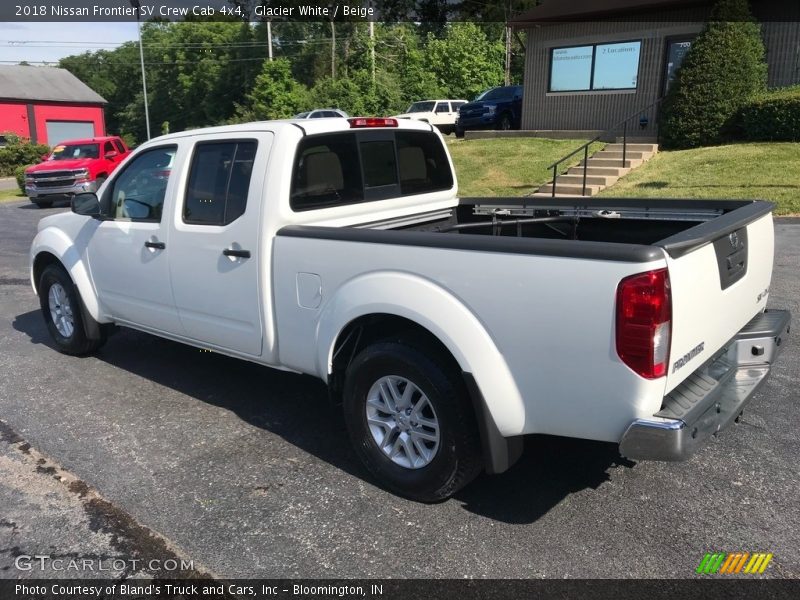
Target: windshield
(494,94)
(421,107)
(302,115)
(73,151)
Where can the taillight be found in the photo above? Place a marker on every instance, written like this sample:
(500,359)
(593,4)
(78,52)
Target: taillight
(644,315)
(358,122)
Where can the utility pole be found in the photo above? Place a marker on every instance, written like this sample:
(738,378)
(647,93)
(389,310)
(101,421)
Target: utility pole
(372,44)
(137,5)
(508,56)
(269,38)
(508,45)
(333,50)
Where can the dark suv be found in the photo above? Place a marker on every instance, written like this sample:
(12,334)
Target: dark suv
(496,108)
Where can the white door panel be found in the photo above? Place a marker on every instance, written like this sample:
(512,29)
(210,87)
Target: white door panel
(217,296)
(128,256)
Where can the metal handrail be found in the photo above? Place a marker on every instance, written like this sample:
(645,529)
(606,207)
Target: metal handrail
(585,147)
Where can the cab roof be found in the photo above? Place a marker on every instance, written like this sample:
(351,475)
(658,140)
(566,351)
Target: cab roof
(307,126)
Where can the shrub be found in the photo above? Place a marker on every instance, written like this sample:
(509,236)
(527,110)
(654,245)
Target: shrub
(17,153)
(772,116)
(19,173)
(723,69)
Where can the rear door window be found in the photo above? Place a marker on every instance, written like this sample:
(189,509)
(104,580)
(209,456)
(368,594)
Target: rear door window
(443,107)
(219,179)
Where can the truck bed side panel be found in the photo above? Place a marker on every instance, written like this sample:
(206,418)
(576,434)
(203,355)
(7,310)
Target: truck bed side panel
(551,319)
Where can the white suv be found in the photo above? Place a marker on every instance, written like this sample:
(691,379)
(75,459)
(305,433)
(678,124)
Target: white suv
(441,113)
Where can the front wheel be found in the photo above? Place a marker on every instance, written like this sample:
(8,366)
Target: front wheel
(61,310)
(410,421)
(505,122)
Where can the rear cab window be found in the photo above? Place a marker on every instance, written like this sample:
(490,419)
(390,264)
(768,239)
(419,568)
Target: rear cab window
(349,167)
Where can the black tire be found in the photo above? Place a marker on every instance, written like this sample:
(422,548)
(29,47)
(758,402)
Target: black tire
(505,122)
(98,182)
(43,203)
(76,343)
(458,459)
(459,132)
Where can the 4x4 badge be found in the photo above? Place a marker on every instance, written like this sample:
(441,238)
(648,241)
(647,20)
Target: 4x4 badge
(733,238)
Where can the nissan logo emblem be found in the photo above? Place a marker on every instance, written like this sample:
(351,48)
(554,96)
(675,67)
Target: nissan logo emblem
(733,238)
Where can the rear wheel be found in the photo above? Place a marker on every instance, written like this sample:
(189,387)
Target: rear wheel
(43,203)
(459,132)
(505,122)
(62,313)
(410,422)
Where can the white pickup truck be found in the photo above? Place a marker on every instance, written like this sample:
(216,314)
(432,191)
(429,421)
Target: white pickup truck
(448,328)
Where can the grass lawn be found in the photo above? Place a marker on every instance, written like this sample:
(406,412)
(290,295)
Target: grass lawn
(11,195)
(765,171)
(508,166)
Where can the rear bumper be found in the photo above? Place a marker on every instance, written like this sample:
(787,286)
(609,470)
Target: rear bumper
(713,396)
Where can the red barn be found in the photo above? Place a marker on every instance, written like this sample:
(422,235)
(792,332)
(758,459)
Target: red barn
(48,105)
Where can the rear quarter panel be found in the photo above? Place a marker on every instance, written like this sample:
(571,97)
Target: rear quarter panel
(548,322)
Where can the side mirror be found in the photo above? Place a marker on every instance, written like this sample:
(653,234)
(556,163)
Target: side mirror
(45,157)
(85,204)
(112,155)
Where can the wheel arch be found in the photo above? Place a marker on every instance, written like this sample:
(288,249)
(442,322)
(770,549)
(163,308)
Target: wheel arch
(405,304)
(52,247)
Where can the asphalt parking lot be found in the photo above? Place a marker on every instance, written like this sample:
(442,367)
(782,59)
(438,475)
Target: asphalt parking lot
(248,471)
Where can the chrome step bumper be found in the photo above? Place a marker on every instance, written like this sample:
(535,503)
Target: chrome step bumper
(713,396)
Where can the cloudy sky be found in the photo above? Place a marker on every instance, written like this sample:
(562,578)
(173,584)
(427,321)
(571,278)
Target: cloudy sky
(49,42)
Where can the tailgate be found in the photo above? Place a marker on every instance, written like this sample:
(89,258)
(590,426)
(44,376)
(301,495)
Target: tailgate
(719,284)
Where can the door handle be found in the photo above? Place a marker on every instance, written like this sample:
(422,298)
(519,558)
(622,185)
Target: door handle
(155,245)
(236,253)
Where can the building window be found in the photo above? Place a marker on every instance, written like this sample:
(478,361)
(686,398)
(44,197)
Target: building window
(595,67)
(676,52)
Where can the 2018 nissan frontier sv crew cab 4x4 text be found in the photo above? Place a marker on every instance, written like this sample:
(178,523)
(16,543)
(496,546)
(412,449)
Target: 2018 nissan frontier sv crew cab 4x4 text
(448,328)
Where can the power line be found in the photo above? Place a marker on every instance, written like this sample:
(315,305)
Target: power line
(125,64)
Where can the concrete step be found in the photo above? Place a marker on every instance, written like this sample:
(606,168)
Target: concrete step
(638,139)
(577,179)
(549,195)
(653,148)
(629,154)
(570,189)
(616,162)
(603,171)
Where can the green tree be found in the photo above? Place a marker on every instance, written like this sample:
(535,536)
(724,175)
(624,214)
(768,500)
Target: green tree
(723,69)
(276,94)
(464,61)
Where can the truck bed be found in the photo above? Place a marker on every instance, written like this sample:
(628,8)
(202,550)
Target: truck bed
(676,225)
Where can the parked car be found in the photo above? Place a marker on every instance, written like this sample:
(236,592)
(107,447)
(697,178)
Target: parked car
(74,167)
(496,108)
(342,250)
(321,113)
(441,113)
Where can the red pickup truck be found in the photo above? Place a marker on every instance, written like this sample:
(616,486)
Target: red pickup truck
(74,167)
